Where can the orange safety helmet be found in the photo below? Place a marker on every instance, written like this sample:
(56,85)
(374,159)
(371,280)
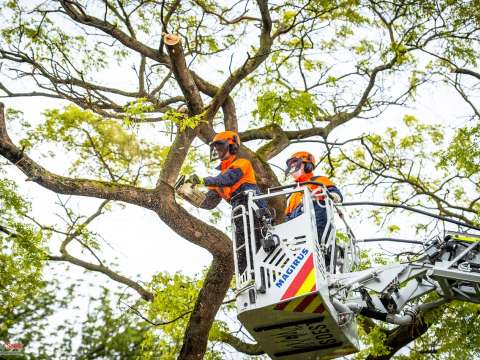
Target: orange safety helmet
(225,141)
(299,158)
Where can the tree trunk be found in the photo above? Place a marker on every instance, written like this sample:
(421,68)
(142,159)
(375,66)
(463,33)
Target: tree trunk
(208,302)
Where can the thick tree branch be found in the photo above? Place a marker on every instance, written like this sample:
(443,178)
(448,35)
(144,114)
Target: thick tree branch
(279,142)
(65,185)
(208,302)
(464,71)
(269,132)
(185,79)
(400,337)
(230,114)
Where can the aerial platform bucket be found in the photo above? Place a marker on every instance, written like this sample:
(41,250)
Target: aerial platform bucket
(303,327)
(298,292)
(282,295)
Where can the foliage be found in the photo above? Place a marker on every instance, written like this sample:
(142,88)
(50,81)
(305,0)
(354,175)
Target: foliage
(28,322)
(104,148)
(278,108)
(22,252)
(421,165)
(454,334)
(109,329)
(374,342)
(463,152)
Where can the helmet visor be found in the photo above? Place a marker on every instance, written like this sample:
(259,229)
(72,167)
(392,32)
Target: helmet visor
(218,149)
(293,165)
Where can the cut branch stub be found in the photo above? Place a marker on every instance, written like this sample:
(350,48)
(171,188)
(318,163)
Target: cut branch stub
(171,39)
(182,74)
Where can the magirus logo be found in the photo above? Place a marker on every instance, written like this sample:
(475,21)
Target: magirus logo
(298,260)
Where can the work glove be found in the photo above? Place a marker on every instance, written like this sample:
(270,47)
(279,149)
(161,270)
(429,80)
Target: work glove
(318,194)
(335,197)
(194,180)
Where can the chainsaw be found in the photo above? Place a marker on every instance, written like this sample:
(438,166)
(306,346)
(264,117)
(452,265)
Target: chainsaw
(189,192)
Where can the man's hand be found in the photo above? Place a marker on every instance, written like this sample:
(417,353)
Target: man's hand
(194,180)
(318,194)
(335,197)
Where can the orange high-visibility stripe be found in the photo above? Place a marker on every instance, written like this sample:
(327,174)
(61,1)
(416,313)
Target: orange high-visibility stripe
(247,178)
(296,198)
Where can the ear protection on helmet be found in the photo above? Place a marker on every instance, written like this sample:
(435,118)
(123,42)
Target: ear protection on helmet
(308,167)
(299,158)
(309,164)
(233,148)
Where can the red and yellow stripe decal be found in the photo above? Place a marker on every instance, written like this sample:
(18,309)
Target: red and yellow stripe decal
(310,303)
(304,282)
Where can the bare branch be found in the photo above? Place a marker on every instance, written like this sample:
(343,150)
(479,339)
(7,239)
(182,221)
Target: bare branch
(146,295)
(27,94)
(239,345)
(66,256)
(75,11)
(65,185)
(156,323)
(249,65)
(224,20)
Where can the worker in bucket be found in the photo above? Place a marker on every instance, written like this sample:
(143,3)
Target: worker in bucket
(236,177)
(300,167)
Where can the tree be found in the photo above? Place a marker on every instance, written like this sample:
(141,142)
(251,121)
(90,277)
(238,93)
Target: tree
(22,253)
(105,331)
(311,67)
(424,167)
